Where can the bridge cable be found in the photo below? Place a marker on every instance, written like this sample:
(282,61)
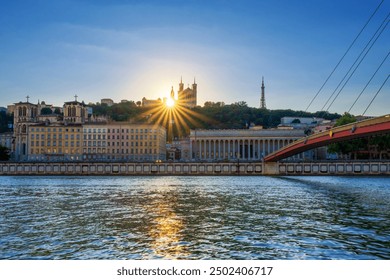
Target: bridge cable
(354,63)
(372,100)
(361,60)
(383,61)
(341,59)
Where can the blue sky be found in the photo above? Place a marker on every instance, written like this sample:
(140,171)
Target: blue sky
(52,50)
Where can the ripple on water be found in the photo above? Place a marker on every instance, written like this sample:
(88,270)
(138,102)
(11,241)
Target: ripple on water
(194,218)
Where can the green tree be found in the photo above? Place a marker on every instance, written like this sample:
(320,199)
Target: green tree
(296,121)
(3,122)
(46,111)
(4,153)
(347,147)
(345,119)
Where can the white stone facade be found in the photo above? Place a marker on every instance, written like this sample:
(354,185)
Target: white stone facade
(243,144)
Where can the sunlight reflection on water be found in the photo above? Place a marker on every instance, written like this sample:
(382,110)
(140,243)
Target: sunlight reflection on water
(195,218)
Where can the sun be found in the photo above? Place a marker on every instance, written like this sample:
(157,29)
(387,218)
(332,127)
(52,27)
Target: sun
(170,102)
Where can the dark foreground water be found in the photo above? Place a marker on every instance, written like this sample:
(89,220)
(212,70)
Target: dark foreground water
(195,217)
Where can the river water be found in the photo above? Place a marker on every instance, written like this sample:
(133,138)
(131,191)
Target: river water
(194,217)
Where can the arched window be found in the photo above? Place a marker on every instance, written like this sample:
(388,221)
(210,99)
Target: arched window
(24,111)
(24,129)
(73,111)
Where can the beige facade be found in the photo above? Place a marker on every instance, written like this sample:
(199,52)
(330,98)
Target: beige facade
(243,144)
(95,141)
(54,142)
(99,142)
(48,138)
(138,142)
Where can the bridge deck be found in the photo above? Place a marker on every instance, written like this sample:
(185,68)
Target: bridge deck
(360,129)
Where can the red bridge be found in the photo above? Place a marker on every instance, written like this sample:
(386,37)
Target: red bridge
(350,131)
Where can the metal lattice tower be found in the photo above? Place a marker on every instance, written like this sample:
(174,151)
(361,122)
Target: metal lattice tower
(262,99)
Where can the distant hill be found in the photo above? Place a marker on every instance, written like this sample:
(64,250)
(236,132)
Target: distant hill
(213,115)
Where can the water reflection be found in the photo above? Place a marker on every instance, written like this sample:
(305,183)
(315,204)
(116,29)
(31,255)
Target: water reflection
(195,218)
(166,230)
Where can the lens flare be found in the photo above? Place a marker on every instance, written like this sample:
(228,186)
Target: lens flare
(170,103)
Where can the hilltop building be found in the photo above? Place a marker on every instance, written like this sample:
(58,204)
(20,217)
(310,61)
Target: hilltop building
(108,101)
(187,97)
(301,122)
(151,102)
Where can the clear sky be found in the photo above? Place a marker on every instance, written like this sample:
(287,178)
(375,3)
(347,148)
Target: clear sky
(52,50)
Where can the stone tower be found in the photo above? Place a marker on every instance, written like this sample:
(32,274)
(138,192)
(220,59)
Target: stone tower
(25,115)
(75,112)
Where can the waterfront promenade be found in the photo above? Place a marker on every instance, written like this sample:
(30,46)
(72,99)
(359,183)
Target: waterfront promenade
(197,168)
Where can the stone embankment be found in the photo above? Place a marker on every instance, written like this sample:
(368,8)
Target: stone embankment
(198,168)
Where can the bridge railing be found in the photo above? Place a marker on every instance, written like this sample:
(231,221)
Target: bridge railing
(334,130)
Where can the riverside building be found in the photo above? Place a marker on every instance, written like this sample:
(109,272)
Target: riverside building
(124,141)
(74,137)
(239,144)
(54,142)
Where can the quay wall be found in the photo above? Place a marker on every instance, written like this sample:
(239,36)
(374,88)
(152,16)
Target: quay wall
(198,168)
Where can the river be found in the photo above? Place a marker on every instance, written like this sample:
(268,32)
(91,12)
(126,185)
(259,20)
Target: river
(255,217)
